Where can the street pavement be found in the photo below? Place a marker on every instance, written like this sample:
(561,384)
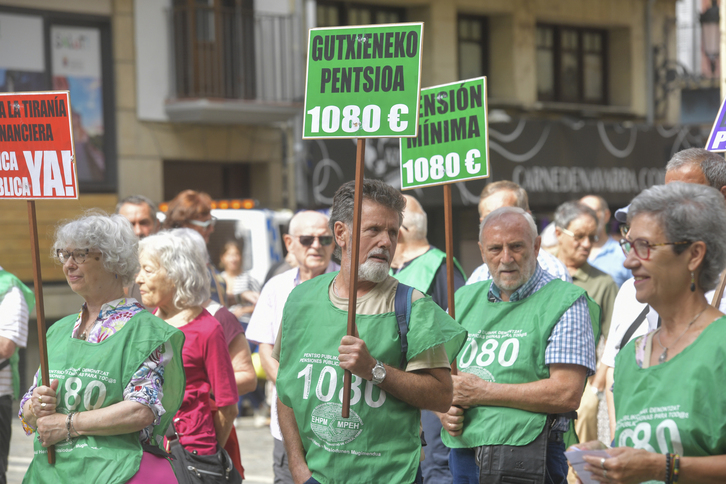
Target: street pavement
(255,444)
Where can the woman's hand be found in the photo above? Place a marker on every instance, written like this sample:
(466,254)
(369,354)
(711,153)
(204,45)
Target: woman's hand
(52,429)
(250,296)
(43,401)
(626,466)
(453,421)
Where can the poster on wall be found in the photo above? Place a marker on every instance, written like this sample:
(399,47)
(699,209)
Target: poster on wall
(21,69)
(76,67)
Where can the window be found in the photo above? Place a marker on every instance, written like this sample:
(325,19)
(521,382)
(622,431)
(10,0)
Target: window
(214,48)
(49,50)
(473,46)
(571,64)
(333,14)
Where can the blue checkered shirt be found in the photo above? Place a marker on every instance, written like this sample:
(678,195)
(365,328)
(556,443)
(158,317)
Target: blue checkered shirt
(572,341)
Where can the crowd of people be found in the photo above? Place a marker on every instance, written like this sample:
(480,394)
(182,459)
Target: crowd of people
(611,339)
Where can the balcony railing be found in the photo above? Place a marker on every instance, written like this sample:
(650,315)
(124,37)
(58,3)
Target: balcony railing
(230,53)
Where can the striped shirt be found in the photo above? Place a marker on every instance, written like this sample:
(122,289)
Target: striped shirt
(242,283)
(13,326)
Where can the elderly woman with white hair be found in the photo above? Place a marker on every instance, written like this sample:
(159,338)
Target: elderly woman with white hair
(173,278)
(234,336)
(669,404)
(116,370)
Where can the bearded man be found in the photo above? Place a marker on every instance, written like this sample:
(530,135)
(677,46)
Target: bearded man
(392,380)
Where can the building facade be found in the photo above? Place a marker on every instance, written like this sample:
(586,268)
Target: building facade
(208,95)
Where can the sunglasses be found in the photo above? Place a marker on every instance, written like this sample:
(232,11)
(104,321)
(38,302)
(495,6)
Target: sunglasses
(307,240)
(204,224)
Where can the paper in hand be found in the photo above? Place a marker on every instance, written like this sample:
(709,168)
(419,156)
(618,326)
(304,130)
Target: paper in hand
(574,457)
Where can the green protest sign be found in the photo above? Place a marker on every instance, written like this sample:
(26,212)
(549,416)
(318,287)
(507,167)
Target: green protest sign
(452,143)
(363,81)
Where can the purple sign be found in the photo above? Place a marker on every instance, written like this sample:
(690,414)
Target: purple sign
(717,138)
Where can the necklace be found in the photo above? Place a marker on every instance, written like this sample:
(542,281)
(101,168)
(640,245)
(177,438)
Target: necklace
(664,355)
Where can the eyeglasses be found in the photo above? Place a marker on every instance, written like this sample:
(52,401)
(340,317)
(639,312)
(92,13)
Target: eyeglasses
(204,224)
(580,237)
(307,240)
(78,255)
(642,247)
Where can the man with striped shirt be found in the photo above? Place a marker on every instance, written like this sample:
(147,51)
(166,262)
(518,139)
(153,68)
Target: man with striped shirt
(523,369)
(16,300)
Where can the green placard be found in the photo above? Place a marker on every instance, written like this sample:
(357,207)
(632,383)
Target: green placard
(452,143)
(363,81)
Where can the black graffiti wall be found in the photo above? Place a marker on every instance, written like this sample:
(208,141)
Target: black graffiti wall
(554,161)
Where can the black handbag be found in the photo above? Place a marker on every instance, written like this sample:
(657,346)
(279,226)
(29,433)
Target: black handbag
(192,468)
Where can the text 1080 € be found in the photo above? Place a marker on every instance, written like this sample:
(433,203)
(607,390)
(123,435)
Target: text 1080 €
(423,170)
(353,120)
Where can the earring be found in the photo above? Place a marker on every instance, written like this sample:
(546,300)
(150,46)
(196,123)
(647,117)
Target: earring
(693,283)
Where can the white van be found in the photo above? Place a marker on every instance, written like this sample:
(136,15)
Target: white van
(258,231)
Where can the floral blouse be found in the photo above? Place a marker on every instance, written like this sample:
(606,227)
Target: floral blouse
(145,386)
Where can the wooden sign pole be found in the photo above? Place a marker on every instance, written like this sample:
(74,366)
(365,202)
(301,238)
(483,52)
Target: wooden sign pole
(355,249)
(449,235)
(39,309)
(449,229)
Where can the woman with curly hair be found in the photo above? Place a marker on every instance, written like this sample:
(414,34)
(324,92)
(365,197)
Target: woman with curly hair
(116,370)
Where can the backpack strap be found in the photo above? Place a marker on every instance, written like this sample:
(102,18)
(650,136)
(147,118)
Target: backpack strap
(402,305)
(636,324)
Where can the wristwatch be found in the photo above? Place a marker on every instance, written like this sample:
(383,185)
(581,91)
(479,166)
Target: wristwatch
(379,373)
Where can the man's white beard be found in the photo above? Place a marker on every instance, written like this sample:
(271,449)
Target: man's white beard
(373,271)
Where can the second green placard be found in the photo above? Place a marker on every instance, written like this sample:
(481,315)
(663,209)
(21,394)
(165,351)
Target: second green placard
(452,143)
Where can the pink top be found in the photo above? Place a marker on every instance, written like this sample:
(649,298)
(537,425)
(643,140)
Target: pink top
(230,325)
(208,368)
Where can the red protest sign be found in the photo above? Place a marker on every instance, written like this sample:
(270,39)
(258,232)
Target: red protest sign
(37,160)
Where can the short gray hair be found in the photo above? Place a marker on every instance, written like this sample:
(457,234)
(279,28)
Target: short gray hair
(138,200)
(110,234)
(417,225)
(602,204)
(569,211)
(184,266)
(689,212)
(520,194)
(502,212)
(712,165)
(373,190)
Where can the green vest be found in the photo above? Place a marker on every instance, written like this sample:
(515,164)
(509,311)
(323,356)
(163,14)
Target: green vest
(380,441)
(420,273)
(506,344)
(94,375)
(677,406)
(8,281)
